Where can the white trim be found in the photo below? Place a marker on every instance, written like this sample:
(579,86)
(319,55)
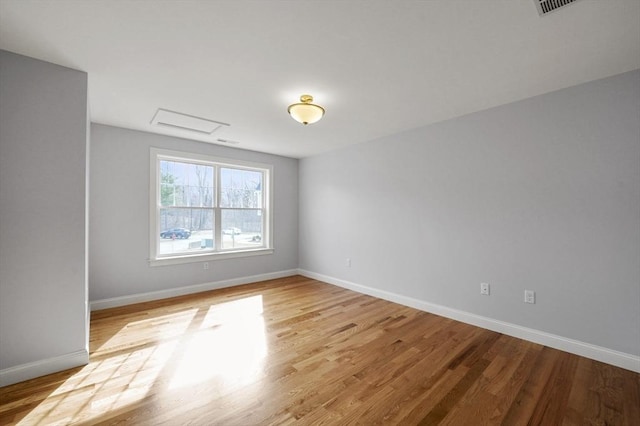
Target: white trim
(587,350)
(210,256)
(181,291)
(23,372)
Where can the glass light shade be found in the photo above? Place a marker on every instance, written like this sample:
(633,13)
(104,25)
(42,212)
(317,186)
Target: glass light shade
(305,112)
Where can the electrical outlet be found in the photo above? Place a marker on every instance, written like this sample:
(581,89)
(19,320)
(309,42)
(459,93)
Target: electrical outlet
(484,289)
(205,265)
(529,296)
(347,263)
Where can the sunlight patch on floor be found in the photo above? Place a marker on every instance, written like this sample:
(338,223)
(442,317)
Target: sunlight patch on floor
(155,328)
(230,346)
(226,345)
(112,382)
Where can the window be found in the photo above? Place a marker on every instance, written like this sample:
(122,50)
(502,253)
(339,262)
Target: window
(205,208)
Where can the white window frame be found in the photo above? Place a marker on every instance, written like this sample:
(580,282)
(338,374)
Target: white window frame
(217,253)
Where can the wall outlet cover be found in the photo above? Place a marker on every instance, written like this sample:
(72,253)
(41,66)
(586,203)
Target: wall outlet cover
(529,296)
(484,289)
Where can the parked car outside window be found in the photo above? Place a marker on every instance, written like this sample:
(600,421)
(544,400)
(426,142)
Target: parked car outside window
(232,231)
(182,233)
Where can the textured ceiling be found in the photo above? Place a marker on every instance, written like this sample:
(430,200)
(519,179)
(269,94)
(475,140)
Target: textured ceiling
(378,67)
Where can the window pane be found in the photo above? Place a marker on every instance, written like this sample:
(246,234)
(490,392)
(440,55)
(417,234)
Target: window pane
(240,188)
(241,228)
(185,230)
(186,184)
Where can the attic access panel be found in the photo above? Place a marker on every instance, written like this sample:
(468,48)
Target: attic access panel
(178,120)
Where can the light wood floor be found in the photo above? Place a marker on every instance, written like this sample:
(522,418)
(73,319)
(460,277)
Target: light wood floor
(300,351)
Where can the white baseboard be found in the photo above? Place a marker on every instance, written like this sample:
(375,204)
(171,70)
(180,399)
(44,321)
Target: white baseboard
(23,372)
(181,291)
(587,350)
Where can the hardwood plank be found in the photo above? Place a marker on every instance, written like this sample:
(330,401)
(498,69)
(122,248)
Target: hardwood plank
(299,351)
(445,406)
(552,404)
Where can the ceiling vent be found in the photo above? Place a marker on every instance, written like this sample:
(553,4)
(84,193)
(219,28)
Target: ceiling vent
(178,120)
(546,6)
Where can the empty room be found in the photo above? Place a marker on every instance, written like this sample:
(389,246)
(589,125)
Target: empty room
(309,212)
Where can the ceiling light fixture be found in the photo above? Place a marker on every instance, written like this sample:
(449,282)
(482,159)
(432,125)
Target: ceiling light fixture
(306,112)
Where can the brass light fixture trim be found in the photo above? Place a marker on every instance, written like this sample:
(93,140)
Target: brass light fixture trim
(306,112)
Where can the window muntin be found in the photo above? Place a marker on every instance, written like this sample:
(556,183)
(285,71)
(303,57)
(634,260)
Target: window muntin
(207,207)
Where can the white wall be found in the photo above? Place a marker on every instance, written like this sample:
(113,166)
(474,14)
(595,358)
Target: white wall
(43,162)
(542,194)
(119,217)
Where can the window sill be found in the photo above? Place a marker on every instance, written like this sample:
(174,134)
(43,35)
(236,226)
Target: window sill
(208,257)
